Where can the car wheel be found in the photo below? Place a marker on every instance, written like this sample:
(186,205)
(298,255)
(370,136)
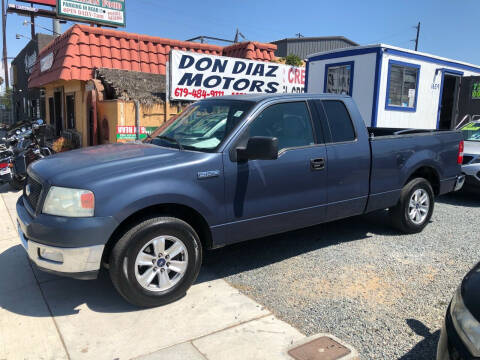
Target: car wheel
(415,207)
(156,261)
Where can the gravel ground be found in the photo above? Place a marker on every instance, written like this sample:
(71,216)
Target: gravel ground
(383,292)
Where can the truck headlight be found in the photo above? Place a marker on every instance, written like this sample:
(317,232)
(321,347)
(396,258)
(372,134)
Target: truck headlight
(467,326)
(69,202)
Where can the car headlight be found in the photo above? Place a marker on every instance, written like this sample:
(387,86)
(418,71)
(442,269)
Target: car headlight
(467,326)
(69,202)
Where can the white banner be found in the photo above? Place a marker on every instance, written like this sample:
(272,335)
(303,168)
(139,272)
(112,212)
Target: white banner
(197,76)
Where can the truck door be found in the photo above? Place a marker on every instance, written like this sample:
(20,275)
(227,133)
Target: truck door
(348,159)
(271,196)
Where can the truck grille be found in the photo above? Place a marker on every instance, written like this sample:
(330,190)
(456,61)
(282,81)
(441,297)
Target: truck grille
(34,194)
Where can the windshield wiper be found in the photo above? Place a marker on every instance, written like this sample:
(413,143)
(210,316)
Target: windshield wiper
(171,139)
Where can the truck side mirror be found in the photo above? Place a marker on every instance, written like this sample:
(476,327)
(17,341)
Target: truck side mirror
(259,148)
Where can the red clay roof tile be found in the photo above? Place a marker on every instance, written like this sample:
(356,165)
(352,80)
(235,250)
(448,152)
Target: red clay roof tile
(82,48)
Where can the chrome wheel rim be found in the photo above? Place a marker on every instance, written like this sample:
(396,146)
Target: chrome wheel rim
(419,206)
(161,263)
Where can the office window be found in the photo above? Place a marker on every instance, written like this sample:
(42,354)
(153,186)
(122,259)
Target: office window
(339,78)
(339,120)
(402,86)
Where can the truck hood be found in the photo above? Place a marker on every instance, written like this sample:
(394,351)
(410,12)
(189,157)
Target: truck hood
(102,161)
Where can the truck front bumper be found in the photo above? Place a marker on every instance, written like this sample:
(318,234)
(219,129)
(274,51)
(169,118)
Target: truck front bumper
(79,263)
(53,243)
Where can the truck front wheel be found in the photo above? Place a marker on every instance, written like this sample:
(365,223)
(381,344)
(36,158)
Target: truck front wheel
(415,207)
(156,261)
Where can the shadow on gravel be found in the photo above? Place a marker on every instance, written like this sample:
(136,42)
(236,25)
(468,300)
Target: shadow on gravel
(257,253)
(427,347)
(461,198)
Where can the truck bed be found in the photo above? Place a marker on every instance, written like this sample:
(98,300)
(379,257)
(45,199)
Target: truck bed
(397,153)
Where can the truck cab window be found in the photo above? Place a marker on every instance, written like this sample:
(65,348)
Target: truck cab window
(204,125)
(289,122)
(339,120)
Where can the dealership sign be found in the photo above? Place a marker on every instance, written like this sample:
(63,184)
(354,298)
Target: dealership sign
(197,76)
(110,12)
(129,133)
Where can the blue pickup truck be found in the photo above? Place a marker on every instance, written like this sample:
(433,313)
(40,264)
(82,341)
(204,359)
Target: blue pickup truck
(226,170)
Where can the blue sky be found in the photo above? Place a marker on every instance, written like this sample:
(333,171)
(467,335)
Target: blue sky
(449,28)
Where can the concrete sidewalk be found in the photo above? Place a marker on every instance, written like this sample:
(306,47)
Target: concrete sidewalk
(47,317)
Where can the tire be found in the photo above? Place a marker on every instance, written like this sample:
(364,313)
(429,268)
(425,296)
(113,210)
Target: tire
(402,216)
(135,249)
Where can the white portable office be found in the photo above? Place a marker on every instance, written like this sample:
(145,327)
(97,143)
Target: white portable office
(393,87)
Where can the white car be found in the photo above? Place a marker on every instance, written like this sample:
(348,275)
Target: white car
(471,155)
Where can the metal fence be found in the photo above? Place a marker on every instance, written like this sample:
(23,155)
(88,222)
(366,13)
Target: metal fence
(6,116)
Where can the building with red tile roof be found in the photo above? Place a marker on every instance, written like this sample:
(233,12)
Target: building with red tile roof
(82,49)
(76,100)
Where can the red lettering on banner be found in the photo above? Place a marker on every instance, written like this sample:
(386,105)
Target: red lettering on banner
(290,80)
(297,76)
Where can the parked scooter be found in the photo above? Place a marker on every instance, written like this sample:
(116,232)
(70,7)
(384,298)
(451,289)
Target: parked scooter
(21,150)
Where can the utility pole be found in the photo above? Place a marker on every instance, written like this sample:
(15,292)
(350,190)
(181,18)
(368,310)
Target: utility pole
(418,34)
(5,60)
(237,36)
(57,29)
(32,26)
(299,35)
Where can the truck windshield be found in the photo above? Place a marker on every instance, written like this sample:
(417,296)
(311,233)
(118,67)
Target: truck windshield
(471,131)
(204,125)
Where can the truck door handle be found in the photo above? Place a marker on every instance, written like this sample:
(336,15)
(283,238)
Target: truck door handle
(317,164)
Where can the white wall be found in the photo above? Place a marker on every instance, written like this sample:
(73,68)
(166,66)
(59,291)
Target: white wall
(363,80)
(429,86)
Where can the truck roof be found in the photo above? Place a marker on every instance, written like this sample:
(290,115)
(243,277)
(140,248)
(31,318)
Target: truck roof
(262,97)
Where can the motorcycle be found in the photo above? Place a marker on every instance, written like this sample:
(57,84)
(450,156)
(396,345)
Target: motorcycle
(20,151)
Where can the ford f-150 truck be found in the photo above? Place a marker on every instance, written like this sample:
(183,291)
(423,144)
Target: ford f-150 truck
(226,170)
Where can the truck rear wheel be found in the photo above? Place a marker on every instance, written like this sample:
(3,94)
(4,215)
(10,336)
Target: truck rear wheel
(156,261)
(415,207)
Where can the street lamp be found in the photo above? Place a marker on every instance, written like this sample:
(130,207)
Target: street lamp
(26,22)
